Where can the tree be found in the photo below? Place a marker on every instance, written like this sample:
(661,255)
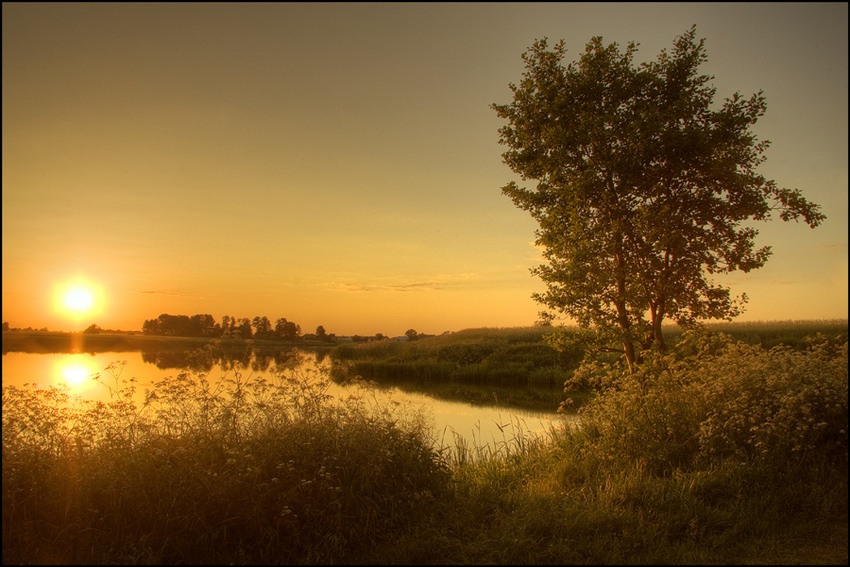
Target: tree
(174,325)
(262,327)
(644,189)
(150,327)
(286,329)
(243,328)
(544,319)
(320,332)
(202,325)
(411,334)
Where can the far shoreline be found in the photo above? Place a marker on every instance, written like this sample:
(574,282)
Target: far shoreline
(45,342)
(48,342)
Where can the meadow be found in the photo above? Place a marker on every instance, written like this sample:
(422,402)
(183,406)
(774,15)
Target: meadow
(57,342)
(510,356)
(526,356)
(721,451)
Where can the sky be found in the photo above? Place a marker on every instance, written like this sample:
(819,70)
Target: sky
(339,164)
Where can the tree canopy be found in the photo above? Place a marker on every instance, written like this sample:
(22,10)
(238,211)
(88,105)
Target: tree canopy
(644,187)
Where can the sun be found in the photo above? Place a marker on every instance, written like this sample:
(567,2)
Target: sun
(78,299)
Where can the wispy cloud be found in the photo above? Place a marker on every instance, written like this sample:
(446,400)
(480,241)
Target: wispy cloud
(433,284)
(412,286)
(171,293)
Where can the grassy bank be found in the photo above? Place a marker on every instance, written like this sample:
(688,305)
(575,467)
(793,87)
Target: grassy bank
(58,342)
(522,357)
(717,453)
(514,356)
(768,334)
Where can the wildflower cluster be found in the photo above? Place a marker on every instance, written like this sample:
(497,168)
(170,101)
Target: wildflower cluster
(715,401)
(239,469)
(776,406)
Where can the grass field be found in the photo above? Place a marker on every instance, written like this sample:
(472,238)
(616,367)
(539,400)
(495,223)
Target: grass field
(522,356)
(515,356)
(719,452)
(58,342)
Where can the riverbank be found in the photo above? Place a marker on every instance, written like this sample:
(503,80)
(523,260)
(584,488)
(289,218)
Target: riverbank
(60,342)
(527,356)
(735,456)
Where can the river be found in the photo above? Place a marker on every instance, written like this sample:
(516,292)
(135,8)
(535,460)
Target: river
(476,425)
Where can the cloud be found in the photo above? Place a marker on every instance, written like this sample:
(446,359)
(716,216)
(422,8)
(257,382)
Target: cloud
(436,283)
(413,286)
(167,293)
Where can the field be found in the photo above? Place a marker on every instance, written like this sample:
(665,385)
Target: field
(58,342)
(719,452)
(522,356)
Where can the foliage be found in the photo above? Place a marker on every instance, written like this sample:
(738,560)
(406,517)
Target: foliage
(242,469)
(712,401)
(495,356)
(644,190)
(637,480)
(713,453)
(287,329)
(230,327)
(182,326)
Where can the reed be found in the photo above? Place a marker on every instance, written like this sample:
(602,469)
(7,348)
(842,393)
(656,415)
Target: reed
(512,356)
(718,452)
(233,470)
(652,475)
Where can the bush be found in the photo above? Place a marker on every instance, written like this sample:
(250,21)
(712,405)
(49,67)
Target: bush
(713,401)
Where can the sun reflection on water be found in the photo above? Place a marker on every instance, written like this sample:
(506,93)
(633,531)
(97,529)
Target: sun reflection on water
(477,424)
(76,371)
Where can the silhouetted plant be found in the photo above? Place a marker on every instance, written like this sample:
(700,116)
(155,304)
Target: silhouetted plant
(235,468)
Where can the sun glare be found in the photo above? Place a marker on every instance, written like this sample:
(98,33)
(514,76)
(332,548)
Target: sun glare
(74,375)
(77,299)
(75,370)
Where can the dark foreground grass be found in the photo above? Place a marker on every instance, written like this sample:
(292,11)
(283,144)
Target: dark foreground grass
(717,453)
(237,470)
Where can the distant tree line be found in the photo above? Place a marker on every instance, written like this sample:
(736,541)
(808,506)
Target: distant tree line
(206,326)
(91,329)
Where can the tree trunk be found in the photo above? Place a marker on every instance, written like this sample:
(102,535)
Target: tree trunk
(657,319)
(629,350)
(623,315)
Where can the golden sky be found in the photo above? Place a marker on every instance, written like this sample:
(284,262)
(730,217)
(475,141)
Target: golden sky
(339,165)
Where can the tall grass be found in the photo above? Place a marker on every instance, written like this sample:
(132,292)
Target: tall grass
(735,454)
(768,334)
(526,356)
(241,469)
(719,452)
(513,356)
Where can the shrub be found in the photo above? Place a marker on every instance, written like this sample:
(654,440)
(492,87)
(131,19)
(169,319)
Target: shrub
(777,406)
(713,401)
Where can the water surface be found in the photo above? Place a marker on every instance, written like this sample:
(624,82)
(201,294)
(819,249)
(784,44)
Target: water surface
(477,425)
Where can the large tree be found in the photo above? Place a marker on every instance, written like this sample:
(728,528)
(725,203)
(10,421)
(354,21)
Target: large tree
(644,187)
